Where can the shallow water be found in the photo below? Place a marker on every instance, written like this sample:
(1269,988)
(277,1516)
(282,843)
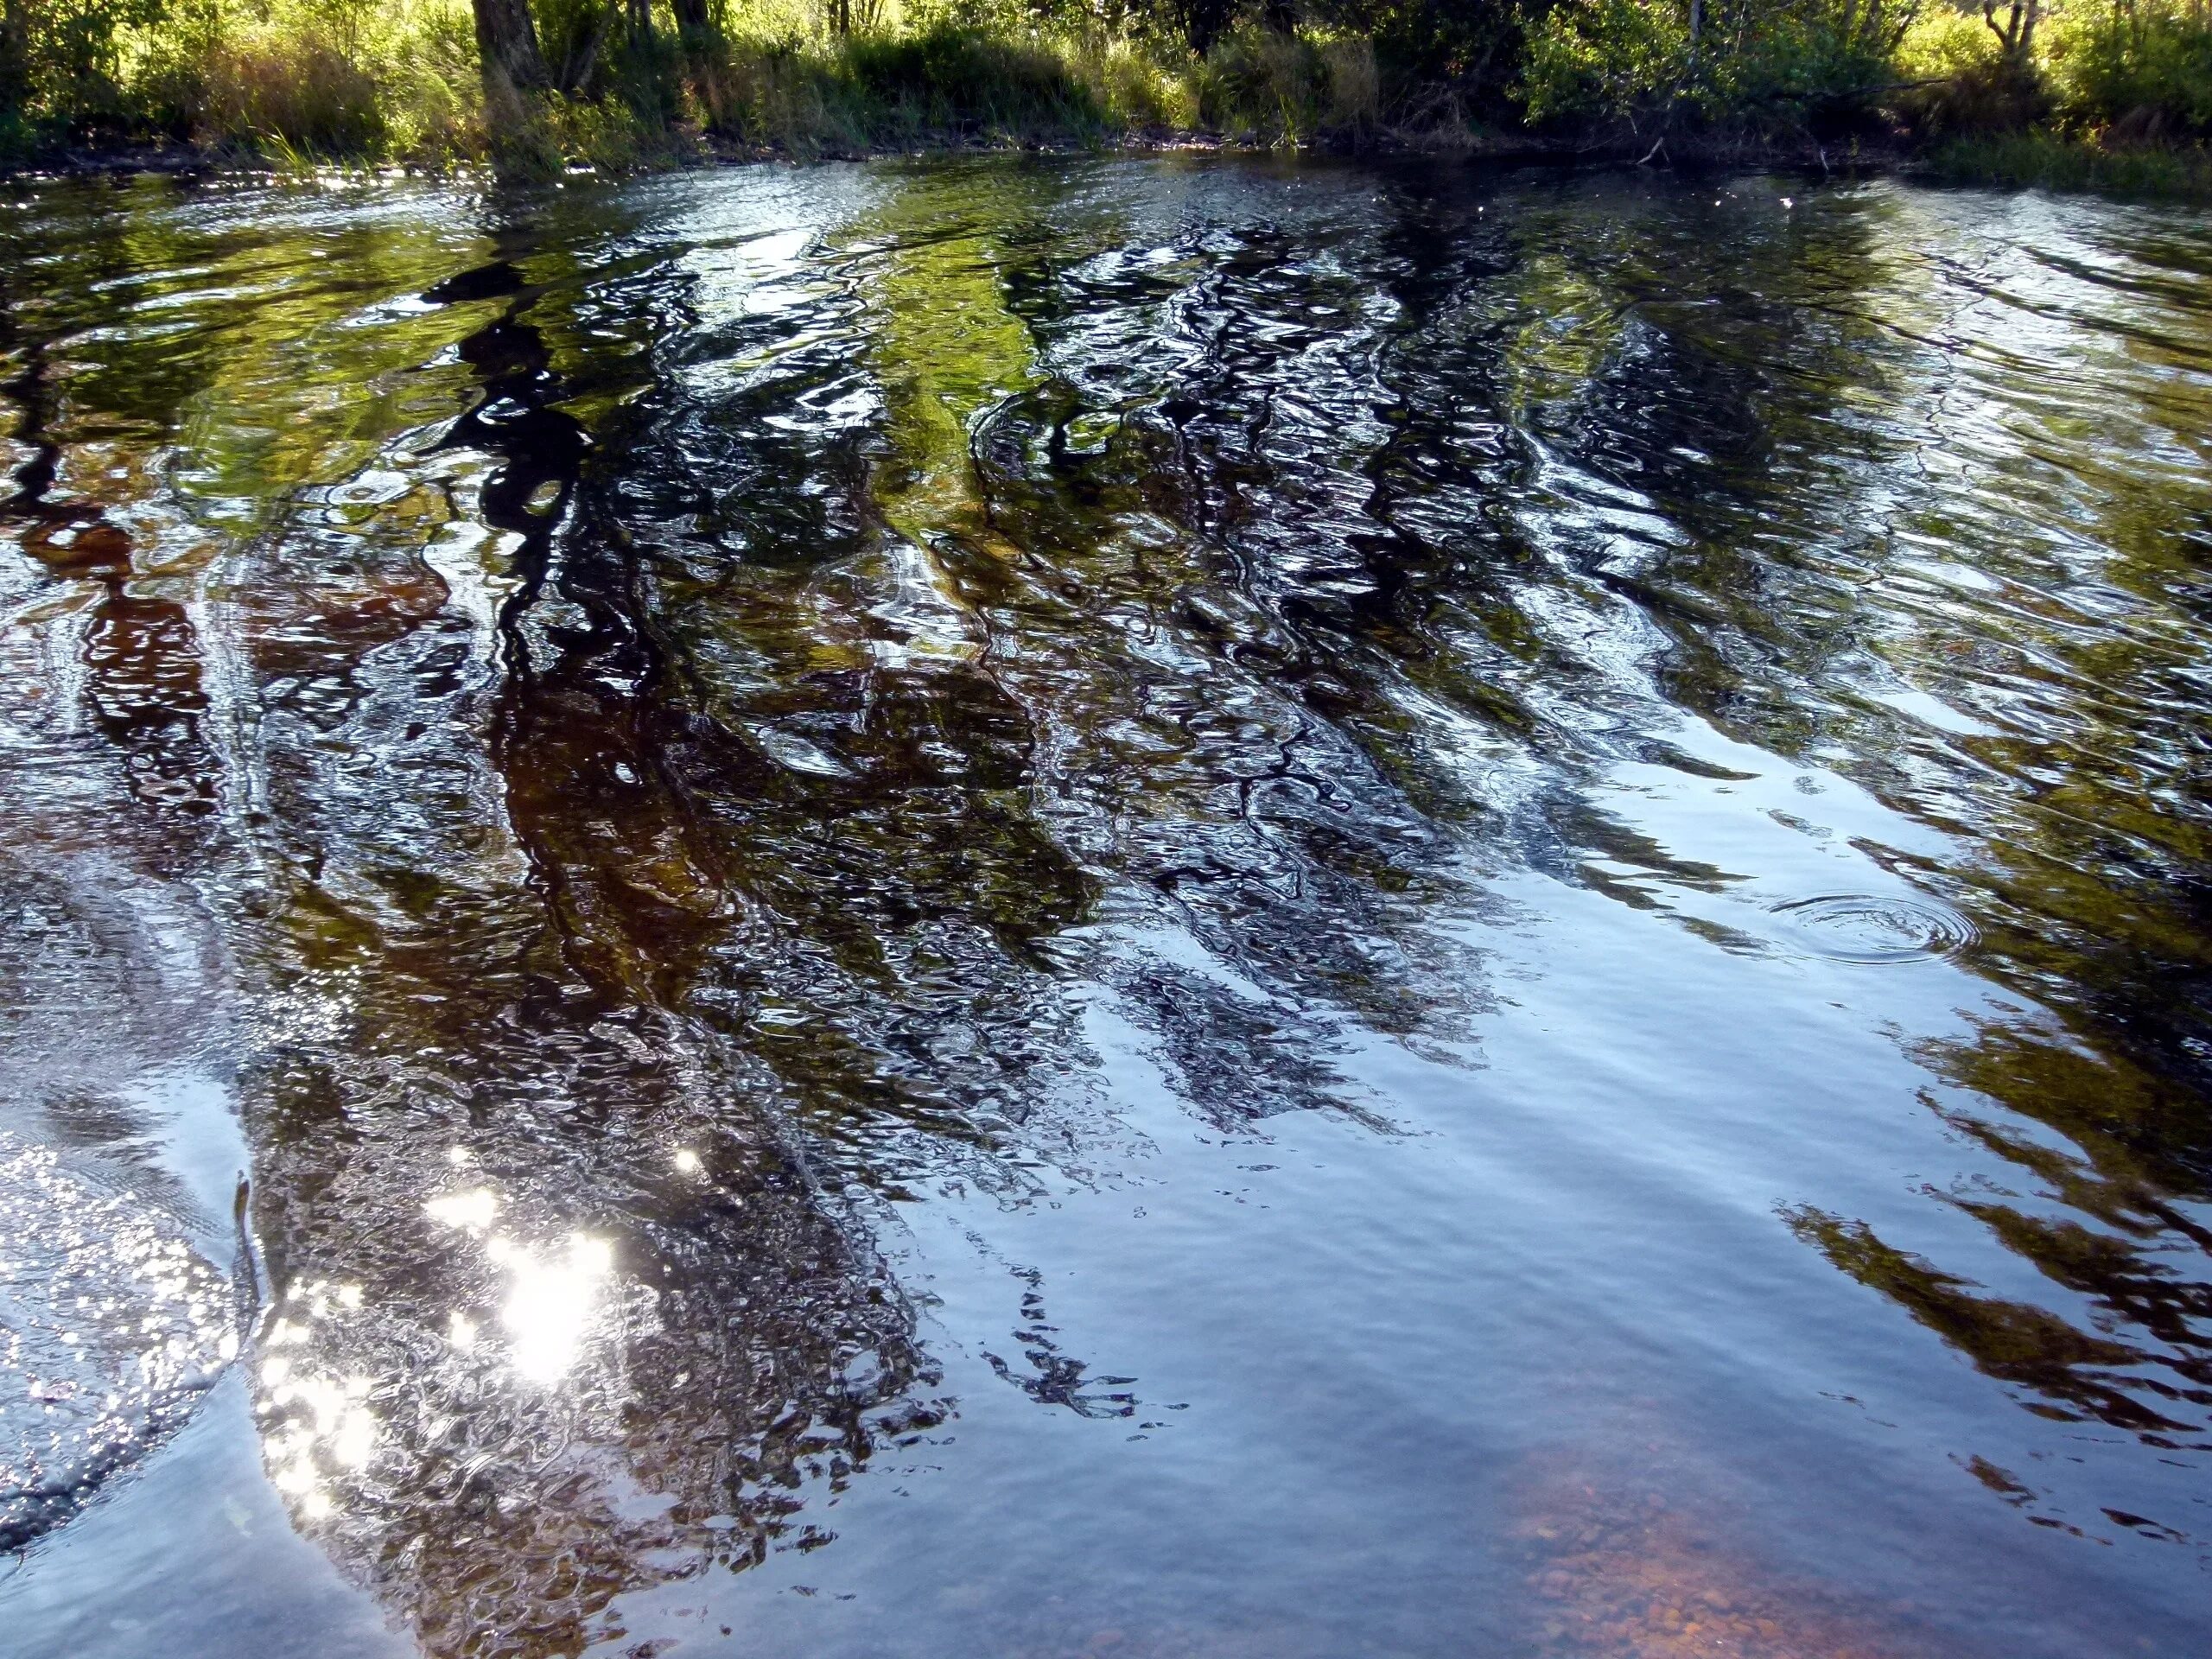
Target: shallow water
(1176,907)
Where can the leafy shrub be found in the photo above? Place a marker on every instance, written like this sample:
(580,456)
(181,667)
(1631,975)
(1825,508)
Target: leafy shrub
(1604,57)
(951,78)
(1421,47)
(1289,87)
(1810,65)
(2141,70)
(1941,41)
(61,60)
(1798,69)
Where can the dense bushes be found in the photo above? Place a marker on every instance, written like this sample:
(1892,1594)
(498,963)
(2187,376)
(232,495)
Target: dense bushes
(2141,71)
(1261,84)
(1605,57)
(61,62)
(617,81)
(954,79)
(1769,66)
(943,80)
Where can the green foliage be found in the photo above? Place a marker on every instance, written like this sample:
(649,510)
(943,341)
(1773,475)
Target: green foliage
(942,81)
(2052,162)
(2142,69)
(1259,82)
(310,78)
(1787,65)
(1604,57)
(301,81)
(954,79)
(780,91)
(599,50)
(61,60)
(306,80)
(1811,63)
(1942,42)
(1465,45)
(1139,92)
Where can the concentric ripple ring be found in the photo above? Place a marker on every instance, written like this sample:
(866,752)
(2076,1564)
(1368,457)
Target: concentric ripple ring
(1859,927)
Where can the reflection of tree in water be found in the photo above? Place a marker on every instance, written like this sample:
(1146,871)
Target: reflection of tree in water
(1054,1378)
(565,1313)
(955,713)
(114,989)
(764,820)
(2106,1225)
(1722,474)
(691,789)
(1590,459)
(1211,587)
(139,650)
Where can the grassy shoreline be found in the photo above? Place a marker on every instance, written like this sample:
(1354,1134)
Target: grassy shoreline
(2049,161)
(267,87)
(2015,161)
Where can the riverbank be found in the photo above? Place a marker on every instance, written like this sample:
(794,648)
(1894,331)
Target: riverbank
(2018,161)
(607,90)
(2048,162)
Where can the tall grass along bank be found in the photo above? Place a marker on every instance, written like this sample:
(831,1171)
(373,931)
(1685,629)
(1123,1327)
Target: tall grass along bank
(2113,93)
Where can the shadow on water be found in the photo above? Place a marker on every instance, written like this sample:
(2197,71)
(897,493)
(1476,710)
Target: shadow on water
(1105,896)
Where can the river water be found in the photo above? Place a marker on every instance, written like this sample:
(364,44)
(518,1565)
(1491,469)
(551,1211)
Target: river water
(1182,907)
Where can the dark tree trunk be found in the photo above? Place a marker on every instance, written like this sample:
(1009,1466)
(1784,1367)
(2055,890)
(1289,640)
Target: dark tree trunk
(506,41)
(693,23)
(2016,35)
(1204,22)
(576,70)
(15,55)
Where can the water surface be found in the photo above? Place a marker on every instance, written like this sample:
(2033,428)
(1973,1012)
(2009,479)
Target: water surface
(1181,907)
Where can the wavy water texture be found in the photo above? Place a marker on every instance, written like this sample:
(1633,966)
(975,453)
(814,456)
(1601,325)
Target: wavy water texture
(1179,906)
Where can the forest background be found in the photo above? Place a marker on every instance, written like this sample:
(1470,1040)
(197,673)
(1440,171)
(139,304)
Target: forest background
(2064,91)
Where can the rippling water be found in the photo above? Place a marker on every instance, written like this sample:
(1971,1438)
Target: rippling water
(1182,907)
